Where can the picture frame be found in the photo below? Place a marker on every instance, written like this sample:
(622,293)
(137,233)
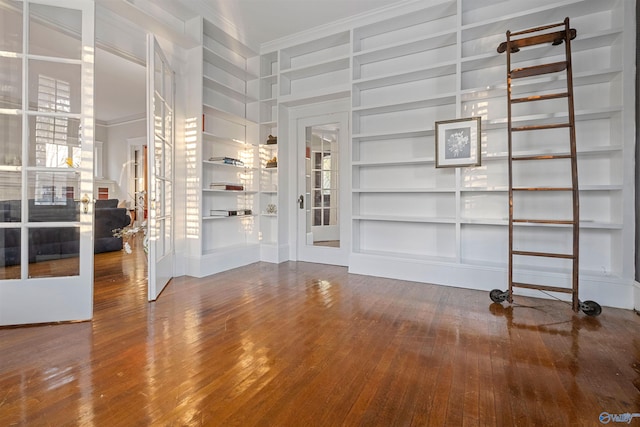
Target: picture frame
(458,142)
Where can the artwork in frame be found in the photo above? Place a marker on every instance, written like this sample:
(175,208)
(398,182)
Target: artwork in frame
(458,142)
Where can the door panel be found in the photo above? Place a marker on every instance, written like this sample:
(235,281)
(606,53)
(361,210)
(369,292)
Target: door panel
(323,215)
(46,161)
(160,116)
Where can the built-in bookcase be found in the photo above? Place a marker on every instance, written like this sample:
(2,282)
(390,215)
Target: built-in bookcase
(403,69)
(450,225)
(225,190)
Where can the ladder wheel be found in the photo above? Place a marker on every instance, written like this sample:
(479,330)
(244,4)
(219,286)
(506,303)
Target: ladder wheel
(497,295)
(591,308)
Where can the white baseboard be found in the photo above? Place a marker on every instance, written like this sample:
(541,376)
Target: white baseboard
(636,296)
(274,253)
(222,260)
(606,291)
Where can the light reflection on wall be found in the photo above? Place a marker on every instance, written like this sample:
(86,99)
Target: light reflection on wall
(475,177)
(193,179)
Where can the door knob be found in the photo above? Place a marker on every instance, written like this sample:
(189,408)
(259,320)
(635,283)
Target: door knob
(85,203)
(301,201)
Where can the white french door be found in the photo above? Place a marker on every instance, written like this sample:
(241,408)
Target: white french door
(160,142)
(46,160)
(323,181)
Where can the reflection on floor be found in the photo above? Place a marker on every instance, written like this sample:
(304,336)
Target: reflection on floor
(301,344)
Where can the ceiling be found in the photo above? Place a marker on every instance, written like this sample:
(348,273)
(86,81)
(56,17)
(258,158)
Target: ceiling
(121,86)
(262,21)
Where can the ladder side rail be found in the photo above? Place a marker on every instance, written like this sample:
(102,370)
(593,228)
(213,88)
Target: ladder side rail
(574,169)
(510,166)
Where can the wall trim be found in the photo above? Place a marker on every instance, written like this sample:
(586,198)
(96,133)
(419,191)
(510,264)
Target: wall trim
(619,292)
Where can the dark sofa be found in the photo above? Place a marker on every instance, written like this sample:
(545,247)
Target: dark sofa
(46,243)
(109,217)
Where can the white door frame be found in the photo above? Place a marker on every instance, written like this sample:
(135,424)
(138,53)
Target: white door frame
(321,113)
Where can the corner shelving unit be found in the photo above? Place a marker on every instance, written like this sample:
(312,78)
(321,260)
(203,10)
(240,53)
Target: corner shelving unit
(269,202)
(229,129)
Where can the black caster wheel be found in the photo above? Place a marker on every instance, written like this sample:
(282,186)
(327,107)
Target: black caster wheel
(590,308)
(497,295)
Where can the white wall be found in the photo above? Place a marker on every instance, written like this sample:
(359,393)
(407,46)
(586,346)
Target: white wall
(115,152)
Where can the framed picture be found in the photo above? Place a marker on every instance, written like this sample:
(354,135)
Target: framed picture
(458,142)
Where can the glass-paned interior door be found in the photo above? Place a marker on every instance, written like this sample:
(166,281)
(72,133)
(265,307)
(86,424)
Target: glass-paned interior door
(160,117)
(323,221)
(46,160)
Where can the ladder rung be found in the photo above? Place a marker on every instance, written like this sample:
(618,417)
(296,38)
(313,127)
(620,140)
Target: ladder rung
(540,97)
(540,127)
(544,221)
(543,157)
(542,189)
(538,70)
(543,254)
(516,44)
(542,287)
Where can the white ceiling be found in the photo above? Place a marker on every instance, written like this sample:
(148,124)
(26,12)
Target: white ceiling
(120,87)
(263,21)
(120,84)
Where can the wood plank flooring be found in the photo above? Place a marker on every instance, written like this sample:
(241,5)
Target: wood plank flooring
(302,344)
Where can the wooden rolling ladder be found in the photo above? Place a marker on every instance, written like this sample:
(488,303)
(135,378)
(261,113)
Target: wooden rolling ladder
(515,41)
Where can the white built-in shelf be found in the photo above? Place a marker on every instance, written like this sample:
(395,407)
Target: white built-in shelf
(10,168)
(435,101)
(581,152)
(289,54)
(228,166)
(227,91)
(581,43)
(402,218)
(220,217)
(208,136)
(268,215)
(317,95)
(545,83)
(412,256)
(268,192)
(441,69)
(408,133)
(445,9)
(505,222)
(243,121)
(504,188)
(408,47)
(335,64)
(538,119)
(269,101)
(224,64)
(231,248)
(405,190)
(213,190)
(406,162)
(499,20)
(270,123)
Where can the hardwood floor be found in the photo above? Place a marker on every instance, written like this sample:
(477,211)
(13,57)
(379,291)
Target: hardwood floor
(301,344)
